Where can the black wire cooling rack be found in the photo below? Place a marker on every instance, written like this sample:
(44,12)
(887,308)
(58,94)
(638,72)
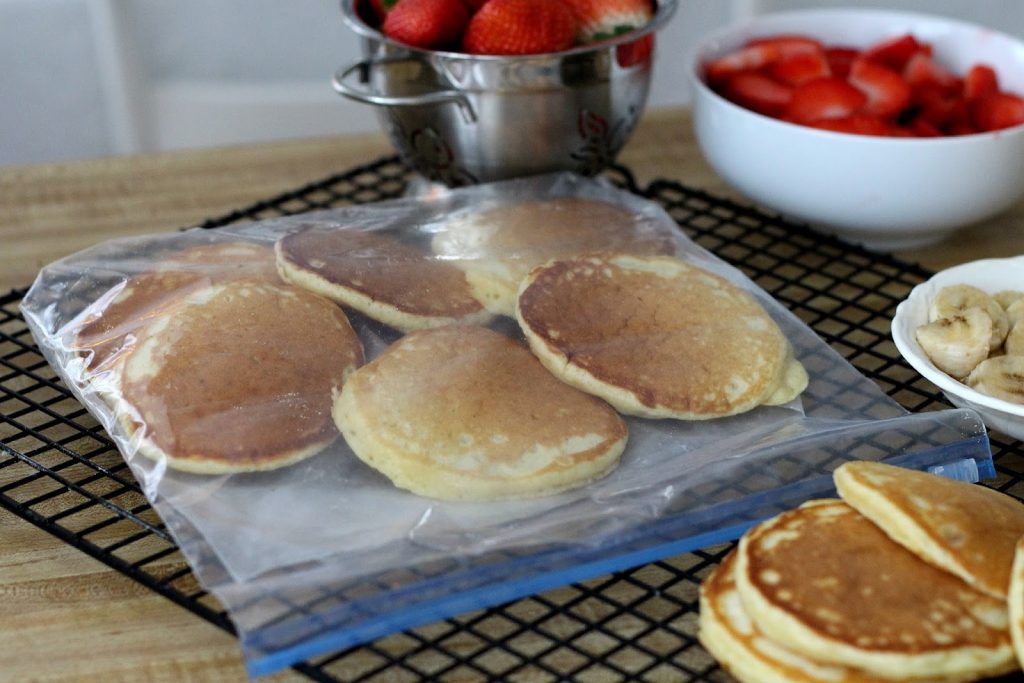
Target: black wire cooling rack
(60,471)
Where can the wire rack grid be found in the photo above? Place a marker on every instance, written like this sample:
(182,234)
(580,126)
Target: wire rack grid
(60,471)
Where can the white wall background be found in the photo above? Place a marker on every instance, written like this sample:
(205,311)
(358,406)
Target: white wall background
(91,78)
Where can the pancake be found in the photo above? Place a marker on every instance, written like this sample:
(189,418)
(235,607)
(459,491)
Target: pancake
(107,328)
(498,247)
(238,377)
(656,337)
(1016,602)
(380,277)
(728,633)
(822,580)
(465,413)
(966,529)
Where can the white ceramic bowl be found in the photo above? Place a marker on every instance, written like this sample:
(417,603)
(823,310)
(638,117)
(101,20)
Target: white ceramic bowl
(885,193)
(991,275)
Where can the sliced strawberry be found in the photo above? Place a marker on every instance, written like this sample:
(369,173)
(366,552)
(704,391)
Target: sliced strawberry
(601,19)
(922,70)
(923,129)
(936,105)
(960,119)
(840,59)
(519,27)
(756,91)
(427,24)
(894,52)
(825,98)
(758,54)
(961,129)
(997,111)
(980,81)
(800,68)
(888,94)
(859,124)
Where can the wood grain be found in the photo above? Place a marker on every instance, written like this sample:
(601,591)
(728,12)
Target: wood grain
(69,616)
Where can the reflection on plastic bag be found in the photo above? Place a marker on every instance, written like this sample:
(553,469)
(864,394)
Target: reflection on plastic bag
(311,553)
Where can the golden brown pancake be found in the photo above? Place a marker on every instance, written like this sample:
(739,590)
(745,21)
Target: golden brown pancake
(1016,602)
(380,277)
(240,376)
(465,413)
(106,330)
(728,633)
(498,247)
(824,581)
(966,529)
(656,337)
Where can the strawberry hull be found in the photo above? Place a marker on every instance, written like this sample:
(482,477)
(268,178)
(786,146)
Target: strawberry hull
(461,119)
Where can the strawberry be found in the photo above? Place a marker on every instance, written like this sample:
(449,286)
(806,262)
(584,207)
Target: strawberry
(825,98)
(600,19)
(840,59)
(888,94)
(426,24)
(474,5)
(980,81)
(997,111)
(922,129)
(922,70)
(756,91)
(962,128)
(937,105)
(519,27)
(758,54)
(859,124)
(800,68)
(894,52)
(635,52)
(380,8)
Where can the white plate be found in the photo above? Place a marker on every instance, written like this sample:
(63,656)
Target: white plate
(990,275)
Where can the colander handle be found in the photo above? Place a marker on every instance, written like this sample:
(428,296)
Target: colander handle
(344,84)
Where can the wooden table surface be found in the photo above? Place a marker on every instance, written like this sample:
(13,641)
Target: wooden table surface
(68,617)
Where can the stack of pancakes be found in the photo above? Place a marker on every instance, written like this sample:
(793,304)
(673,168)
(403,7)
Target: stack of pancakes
(213,365)
(909,577)
(235,370)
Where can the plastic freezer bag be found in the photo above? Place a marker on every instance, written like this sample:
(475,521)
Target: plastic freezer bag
(309,548)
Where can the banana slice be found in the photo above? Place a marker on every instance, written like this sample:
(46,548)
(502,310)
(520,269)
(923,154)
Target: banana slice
(1001,377)
(955,298)
(1014,344)
(956,344)
(1007,297)
(1015,312)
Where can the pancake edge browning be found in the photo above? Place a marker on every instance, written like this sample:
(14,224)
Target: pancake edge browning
(902,528)
(143,445)
(382,312)
(965,663)
(789,382)
(748,663)
(407,471)
(127,415)
(494,278)
(433,482)
(1016,602)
